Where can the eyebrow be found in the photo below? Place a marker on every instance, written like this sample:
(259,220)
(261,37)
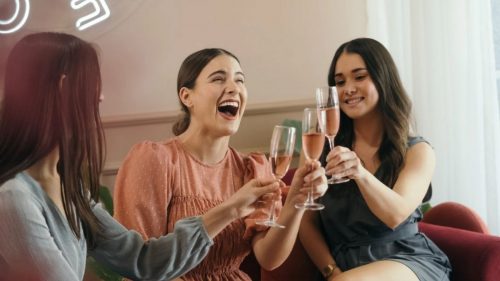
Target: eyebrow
(353,71)
(224,73)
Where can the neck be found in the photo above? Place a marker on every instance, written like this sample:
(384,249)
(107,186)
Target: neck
(206,148)
(45,173)
(369,129)
(45,168)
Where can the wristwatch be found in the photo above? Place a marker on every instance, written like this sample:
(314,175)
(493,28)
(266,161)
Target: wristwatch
(328,270)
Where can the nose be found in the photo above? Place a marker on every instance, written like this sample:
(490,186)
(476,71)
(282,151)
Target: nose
(349,88)
(232,87)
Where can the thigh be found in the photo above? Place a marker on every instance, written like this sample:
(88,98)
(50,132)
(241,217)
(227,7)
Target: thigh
(379,271)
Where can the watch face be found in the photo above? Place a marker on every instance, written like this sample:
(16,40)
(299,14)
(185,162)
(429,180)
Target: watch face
(328,270)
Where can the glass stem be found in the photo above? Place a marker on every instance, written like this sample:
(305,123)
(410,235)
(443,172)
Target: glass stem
(273,207)
(310,199)
(330,142)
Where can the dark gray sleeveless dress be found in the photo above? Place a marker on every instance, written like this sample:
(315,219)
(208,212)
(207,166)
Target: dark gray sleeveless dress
(357,237)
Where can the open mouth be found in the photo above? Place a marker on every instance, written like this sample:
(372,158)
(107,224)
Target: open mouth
(353,100)
(229,108)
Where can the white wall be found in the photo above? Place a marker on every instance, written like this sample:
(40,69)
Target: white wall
(285,47)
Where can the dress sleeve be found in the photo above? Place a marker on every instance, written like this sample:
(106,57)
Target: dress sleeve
(163,258)
(142,192)
(257,166)
(27,248)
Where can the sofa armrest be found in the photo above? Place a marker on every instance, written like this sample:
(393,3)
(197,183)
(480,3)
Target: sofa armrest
(473,256)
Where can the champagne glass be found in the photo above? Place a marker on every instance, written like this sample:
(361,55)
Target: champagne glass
(327,102)
(280,154)
(313,140)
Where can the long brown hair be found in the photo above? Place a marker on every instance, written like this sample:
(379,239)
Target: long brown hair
(394,105)
(189,71)
(38,116)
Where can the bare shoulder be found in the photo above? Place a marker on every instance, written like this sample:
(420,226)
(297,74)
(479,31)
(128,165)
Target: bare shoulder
(420,154)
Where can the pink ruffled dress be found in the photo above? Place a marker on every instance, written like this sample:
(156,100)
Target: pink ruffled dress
(160,183)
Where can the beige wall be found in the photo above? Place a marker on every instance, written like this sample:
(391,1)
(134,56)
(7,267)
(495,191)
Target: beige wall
(285,47)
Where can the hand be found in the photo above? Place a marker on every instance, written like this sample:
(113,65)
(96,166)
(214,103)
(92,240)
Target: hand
(343,162)
(242,203)
(311,174)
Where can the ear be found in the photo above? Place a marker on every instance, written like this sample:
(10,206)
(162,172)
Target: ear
(61,82)
(185,97)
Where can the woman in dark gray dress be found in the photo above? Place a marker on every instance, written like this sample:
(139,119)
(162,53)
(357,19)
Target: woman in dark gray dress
(368,229)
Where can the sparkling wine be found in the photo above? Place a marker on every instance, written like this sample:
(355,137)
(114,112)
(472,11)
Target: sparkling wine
(332,120)
(312,144)
(280,165)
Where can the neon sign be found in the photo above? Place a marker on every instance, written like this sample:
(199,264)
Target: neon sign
(94,17)
(17,20)
(22,10)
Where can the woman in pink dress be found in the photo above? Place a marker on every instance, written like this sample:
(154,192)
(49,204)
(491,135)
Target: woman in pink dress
(162,182)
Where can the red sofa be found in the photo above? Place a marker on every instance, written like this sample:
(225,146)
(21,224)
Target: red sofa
(474,255)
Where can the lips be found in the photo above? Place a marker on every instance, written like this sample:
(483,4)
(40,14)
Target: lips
(353,100)
(229,108)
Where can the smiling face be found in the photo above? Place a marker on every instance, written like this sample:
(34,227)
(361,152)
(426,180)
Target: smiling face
(218,99)
(358,95)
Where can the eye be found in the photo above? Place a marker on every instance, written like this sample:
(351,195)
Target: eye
(240,80)
(339,82)
(360,77)
(218,79)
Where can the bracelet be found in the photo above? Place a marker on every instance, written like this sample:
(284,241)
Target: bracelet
(328,270)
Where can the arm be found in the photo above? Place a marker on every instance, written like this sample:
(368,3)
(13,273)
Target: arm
(273,246)
(176,253)
(166,257)
(142,190)
(314,243)
(392,206)
(27,246)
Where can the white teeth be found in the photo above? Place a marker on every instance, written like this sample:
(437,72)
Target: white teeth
(355,100)
(230,103)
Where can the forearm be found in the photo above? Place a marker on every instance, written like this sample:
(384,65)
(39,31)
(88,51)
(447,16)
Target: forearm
(217,218)
(386,204)
(314,243)
(274,246)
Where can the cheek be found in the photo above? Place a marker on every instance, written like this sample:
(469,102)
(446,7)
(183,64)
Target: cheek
(372,92)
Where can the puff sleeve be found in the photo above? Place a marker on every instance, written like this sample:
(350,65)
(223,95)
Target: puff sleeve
(142,192)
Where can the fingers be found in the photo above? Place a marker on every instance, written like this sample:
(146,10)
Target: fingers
(270,187)
(341,160)
(315,174)
(261,182)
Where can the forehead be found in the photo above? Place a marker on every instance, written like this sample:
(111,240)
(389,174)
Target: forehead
(222,62)
(348,62)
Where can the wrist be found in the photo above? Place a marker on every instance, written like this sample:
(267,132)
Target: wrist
(229,209)
(328,270)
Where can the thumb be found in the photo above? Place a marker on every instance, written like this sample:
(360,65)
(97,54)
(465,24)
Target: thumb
(269,188)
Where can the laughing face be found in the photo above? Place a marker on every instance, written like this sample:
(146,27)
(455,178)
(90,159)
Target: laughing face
(358,95)
(218,99)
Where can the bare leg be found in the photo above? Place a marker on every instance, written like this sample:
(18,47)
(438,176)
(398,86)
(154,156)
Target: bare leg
(379,271)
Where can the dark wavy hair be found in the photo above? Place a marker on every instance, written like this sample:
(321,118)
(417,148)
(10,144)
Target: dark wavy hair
(38,116)
(189,71)
(394,105)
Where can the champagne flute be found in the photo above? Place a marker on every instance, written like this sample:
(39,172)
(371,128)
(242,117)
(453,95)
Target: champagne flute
(327,102)
(313,140)
(280,154)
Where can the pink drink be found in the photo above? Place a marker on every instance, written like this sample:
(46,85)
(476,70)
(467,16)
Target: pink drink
(280,165)
(332,120)
(312,143)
